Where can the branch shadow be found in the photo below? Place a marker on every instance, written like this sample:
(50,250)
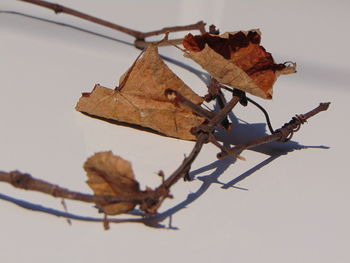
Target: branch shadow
(55,212)
(243,131)
(203,76)
(217,168)
(153,221)
(10,12)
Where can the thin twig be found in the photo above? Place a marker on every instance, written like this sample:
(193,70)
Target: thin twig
(280,135)
(267,117)
(150,200)
(183,170)
(27,182)
(223,112)
(214,92)
(62,9)
(214,120)
(224,149)
(200,26)
(177,98)
(138,35)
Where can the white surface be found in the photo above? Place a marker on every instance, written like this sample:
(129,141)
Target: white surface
(294,209)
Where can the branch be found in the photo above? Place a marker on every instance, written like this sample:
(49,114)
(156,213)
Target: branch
(214,92)
(149,200)
(138,35)
(184,168)
(27,182)
(214,120)
(283,134)
(177,98)
(212,117)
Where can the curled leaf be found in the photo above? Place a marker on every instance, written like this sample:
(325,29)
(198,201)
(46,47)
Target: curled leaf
(238,60)
(141,99)
(111,175)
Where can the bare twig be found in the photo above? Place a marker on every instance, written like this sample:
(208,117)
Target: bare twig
(150,200)
(138,35)
(27,182)
(281,135)
(214,121)
(62,9)
(177,98)
(225,149)
(183,170)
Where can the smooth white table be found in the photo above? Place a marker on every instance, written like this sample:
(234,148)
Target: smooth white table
(281,208)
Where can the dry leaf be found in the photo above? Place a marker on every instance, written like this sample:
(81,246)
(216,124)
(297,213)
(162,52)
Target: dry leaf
(141,99)
(237,60)
(111,175)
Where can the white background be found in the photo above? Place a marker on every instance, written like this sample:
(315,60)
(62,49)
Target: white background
(290,207)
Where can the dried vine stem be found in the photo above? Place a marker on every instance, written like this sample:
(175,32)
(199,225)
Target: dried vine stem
(139,36)
(151,199)
(214,121)
(280,135)
(215,93)
(27,182)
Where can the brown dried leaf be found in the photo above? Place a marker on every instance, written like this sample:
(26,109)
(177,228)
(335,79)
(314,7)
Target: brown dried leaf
(111,175)
(237,60)
(141,99)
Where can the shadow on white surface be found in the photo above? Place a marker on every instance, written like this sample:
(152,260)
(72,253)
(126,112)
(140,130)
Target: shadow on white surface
(10,12)
(243,132)
(295,209)
(314,74)
(203,76)
(219,166)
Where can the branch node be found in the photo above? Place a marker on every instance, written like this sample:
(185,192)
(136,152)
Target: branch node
(289,128)
(57,8)
(20,180)
(213,30)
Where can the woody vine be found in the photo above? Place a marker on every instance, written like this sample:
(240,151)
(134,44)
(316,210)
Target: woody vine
(150,95)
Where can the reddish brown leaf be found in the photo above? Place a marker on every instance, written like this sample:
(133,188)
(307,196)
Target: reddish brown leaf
(238,60)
